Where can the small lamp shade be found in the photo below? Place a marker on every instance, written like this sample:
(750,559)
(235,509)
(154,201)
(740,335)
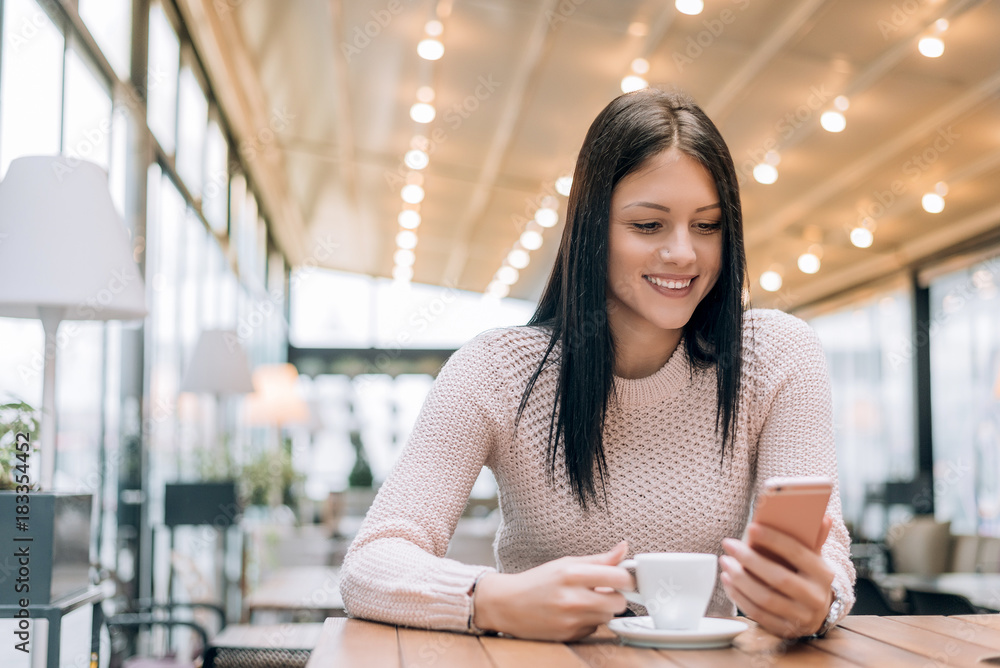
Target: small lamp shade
(218,366)
(275,399)
(63,245)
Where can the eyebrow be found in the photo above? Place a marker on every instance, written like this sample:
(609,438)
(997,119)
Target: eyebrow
(653,205)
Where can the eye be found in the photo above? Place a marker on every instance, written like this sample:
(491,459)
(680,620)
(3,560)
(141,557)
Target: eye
(708,226)
(646,227)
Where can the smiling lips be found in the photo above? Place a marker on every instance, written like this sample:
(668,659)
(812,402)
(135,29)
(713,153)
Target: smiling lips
(671,283)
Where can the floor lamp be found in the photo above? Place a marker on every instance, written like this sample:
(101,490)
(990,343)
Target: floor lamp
(64,255)
(218,367)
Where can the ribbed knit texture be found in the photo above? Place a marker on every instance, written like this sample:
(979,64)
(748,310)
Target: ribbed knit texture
(667,488)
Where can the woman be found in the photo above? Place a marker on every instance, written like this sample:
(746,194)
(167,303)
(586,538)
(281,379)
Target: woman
(639,411)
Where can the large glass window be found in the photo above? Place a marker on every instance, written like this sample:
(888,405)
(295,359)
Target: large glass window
(30,84)
(191,126)
(965,397)
(161,93)
(110,22)
(871,375)
(87,124)
(214,193)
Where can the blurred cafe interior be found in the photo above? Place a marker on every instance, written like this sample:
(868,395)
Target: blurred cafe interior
(294,211)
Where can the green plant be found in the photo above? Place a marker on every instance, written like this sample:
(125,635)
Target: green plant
(269,476)
(16,417)
(361,474)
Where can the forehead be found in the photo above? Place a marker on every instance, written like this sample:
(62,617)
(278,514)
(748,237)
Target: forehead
(672,173)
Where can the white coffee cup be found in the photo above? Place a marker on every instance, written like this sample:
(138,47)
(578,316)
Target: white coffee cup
(675,587)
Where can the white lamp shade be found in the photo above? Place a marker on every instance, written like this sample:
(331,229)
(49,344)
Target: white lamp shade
(218,366)
(63,244)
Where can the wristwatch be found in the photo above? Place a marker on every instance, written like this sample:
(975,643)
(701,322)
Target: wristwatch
(832,617)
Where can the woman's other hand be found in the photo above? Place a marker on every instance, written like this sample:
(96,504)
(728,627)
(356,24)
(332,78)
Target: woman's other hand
(562,600)
(787,603)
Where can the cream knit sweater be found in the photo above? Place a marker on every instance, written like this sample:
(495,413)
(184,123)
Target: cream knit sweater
(667,491)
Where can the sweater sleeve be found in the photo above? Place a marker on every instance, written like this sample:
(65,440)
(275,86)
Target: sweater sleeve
(395,570)
(797,436)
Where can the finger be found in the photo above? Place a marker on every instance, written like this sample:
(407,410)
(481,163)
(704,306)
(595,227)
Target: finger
(824,533)
(767,571)
(597,575)
(612,556)
(765,619)
(804,559)
(763,597)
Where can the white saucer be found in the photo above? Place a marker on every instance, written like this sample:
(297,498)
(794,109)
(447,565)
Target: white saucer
(711,632)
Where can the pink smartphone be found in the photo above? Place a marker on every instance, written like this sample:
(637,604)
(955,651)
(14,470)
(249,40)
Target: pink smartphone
(794,506)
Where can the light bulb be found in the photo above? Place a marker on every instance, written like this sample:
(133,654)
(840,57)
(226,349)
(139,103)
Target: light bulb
(425,94)
(406,239)
(932,47)
(941,188)
(412,193)
(640,65)
(563,185)
(547,217)
(404,257)
(498,290)
(531,240)
(862,237)
(422,112)
(401,273)
(808,263)
(764,173)
(633,82)
(409,219)
(772,158)
(841,103)
(434,28)
(932,203)
(416,159)
(518,258)
(770,281)
(689,7)
(430,49)
(833,121)
(507,275)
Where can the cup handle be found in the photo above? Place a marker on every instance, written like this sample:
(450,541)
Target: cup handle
(631,596)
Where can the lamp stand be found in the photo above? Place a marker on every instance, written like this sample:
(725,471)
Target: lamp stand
(51,316)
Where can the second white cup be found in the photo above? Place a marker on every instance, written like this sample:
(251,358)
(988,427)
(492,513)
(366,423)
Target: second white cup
(675,587)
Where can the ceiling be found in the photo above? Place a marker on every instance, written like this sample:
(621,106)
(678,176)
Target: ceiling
(532,75)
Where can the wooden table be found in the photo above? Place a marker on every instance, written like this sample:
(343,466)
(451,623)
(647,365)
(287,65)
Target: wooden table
(922,642)
(983,589)
(300,588)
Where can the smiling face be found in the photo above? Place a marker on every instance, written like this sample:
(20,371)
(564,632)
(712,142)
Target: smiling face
(664,247)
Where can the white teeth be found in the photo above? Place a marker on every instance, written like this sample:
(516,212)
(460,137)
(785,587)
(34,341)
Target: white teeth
(673,285)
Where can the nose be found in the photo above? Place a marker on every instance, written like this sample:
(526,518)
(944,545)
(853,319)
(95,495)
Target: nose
(677,248)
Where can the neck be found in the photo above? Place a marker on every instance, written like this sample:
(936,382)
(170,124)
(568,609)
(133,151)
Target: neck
(639,354)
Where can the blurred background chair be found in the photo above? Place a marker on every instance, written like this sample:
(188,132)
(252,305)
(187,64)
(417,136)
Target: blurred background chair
(871,599)
(938,603)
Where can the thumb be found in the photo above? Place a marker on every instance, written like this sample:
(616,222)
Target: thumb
(612,556)
(824,531)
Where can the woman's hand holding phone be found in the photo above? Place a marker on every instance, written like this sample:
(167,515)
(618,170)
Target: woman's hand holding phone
(778,577)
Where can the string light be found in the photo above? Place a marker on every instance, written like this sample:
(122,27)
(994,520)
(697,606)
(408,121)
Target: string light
(633,82)
(430,49)
(422,112)
(518,258)
(563,185)
(409,219)
(412,194)
(404,257)
(406,239)
(531,240)
(689,7)
(770,280)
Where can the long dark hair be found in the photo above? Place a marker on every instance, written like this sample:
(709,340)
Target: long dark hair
(632,129)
